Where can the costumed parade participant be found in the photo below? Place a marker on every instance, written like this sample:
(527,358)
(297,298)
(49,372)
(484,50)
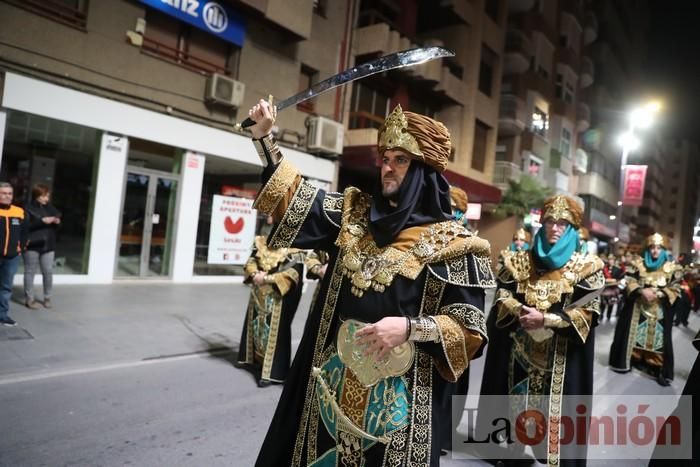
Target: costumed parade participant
(611,294)
(686,300)
(521,240)
(459,201)
(643,330)
(541,334)
(400,311)
(692,389)
(266,341)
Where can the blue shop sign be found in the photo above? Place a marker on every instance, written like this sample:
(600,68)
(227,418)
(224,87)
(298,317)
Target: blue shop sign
(211,16)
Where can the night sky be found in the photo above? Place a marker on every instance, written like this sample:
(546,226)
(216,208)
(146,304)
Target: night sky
(673,66)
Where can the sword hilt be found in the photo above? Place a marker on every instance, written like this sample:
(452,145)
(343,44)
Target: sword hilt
(248,122)
(245,124)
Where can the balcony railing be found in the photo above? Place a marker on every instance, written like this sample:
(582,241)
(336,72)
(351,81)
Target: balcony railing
(519,6)
(583,116)
(590,28)
(587,74)
(511,115)
(182,58)
(568,57)
(55,10)
(518,50)
(504,171)
(362,119)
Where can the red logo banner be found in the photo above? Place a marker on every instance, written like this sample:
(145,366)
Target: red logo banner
(633,193)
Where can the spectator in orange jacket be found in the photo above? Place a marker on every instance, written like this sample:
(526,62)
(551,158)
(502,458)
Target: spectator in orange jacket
(13,239)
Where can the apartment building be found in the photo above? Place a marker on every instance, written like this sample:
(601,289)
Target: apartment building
(679,195)
(618,55)
(462,91)
(543,110)
(126,109)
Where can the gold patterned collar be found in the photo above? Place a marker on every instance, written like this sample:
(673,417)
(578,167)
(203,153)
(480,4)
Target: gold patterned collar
(367,265)
(269,258)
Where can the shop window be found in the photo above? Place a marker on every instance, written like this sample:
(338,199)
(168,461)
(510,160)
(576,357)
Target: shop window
(62,156)
(487,70)
(307,78)
(229,178)
(481,137)
(189,47)
(368,107)
(69,12)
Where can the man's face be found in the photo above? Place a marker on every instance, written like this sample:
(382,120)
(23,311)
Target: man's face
(395,164)
(611,261)
(655,251)
(555,229)
(6,193)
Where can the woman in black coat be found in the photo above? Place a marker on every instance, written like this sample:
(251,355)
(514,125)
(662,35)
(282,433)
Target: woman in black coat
(44,220)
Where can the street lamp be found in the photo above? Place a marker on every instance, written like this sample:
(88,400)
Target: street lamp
(642,118)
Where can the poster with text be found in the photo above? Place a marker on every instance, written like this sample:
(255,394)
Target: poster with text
(232,230)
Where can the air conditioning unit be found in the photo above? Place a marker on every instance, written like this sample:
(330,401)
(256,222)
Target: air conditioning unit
(324,135)
(223,90)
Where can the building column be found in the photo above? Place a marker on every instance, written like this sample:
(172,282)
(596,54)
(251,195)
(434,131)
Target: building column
(188,216)
(107,206)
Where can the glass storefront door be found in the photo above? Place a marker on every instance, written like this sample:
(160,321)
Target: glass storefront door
(145,240)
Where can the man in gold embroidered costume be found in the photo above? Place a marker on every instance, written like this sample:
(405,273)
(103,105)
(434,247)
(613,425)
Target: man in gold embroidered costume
(266,340)
(643,330)
(400,311)
(541,330)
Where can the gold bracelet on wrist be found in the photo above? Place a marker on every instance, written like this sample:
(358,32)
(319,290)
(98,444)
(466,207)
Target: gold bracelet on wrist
(424,329)
(268,150)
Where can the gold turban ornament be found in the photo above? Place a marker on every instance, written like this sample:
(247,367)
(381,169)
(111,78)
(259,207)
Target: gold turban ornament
(563,207)
(421,137)
(459,198)
(657,239)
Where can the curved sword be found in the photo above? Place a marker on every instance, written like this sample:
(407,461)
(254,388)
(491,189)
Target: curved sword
(393,61)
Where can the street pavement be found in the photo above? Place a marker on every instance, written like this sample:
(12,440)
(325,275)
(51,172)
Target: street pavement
(142,374)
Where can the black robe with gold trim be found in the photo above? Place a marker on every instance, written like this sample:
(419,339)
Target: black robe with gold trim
(266,340)
(553,361)
(643,330)
(440,270)
(692,389)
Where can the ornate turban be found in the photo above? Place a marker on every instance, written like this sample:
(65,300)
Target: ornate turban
(423,138)
(563,207)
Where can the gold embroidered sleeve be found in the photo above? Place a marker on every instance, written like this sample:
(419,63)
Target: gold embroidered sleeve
(459,345)
(284,281)
(582,316)
(672,292)
(313,265)
(632,285)
(250,268)
(507,308)
(276,195)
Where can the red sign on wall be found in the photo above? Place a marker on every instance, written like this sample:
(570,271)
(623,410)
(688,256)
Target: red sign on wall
(633,193)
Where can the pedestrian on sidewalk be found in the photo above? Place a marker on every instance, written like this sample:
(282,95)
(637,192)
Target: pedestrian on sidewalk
(13,238)
(43,220)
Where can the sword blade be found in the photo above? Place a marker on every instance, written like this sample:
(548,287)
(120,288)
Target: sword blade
(406,58)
